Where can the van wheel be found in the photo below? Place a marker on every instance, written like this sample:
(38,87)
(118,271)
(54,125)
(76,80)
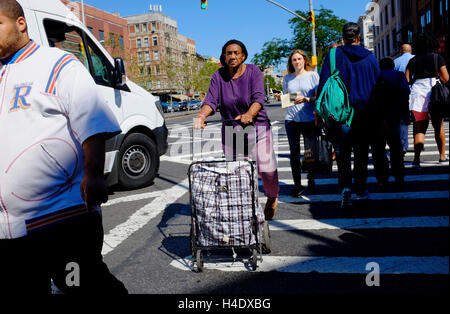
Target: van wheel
(139,161)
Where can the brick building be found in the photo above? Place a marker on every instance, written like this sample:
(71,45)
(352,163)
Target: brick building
(399,21)
(156,46)
(109,28)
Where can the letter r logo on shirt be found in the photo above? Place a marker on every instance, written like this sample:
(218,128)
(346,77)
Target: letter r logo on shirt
(19,100)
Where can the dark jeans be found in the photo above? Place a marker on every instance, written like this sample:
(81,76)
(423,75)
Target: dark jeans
(294,130)
(345,139)
(28,264)
(387,131)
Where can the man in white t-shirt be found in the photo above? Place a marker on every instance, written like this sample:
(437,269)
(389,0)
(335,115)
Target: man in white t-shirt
(54,126)
(400,65)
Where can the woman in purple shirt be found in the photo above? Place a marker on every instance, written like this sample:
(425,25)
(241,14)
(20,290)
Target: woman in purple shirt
(238,90)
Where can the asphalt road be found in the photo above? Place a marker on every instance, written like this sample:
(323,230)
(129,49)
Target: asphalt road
(392,243)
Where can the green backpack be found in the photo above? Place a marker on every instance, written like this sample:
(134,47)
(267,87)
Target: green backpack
(333,103)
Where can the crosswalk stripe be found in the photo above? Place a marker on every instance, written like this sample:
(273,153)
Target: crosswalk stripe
(423,164)
(394,265)
(142,216)
(332,181)
(354,223)
(372,196)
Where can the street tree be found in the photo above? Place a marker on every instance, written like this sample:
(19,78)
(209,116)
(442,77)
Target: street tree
(328,30)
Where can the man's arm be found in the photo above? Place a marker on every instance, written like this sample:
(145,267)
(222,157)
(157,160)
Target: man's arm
(93,187)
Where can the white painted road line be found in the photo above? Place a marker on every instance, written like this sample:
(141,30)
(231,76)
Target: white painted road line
(367,223)
(389,265)
(143,215)
(372,196)
(132,198)
(332,181)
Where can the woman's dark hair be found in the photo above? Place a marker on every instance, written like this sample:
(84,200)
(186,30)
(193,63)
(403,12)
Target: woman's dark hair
(425,43)
(387,64)
(231,42)
(350,32)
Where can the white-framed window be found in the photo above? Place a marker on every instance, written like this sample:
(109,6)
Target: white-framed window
(139,43)
(155,40)
(156,55)
(146,42)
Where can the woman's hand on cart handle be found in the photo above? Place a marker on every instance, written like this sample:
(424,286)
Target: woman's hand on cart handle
(200,120)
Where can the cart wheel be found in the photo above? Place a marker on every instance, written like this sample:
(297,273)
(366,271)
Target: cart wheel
(267,247)
(255,259)
(199,261)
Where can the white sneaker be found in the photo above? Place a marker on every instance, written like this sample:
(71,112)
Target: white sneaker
(346,198)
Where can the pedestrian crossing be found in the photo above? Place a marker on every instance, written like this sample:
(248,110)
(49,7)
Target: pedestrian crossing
(305,228)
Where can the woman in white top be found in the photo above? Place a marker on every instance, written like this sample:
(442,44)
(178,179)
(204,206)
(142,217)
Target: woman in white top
(300,118)
(421,72)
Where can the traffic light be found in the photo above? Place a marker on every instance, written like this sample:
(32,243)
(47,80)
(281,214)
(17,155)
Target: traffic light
(204,4)
(311,20)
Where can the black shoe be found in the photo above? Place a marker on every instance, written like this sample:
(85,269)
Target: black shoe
(297,191)
(383,187)
(311,186)
(416,166)
(399,185)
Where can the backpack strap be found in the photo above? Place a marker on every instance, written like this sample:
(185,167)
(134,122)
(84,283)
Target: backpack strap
(332,60)
(435,55)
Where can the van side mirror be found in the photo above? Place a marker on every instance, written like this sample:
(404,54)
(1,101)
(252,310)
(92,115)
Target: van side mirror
(120,77)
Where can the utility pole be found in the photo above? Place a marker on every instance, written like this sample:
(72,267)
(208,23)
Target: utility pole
(82,12)
(313,32)
(313,39)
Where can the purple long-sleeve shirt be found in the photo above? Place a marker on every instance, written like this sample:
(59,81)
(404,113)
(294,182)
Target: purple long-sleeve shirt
(235,96)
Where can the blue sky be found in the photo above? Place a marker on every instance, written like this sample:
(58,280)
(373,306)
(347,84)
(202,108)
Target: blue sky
(254,22)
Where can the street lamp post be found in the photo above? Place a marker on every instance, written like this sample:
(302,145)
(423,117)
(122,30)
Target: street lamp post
(82,12)
(313,31)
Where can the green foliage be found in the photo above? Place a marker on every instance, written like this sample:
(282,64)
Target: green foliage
(272,83)
(328,30)
(203,78)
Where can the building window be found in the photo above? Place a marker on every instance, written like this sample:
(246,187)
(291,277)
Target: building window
(155,40)
(139,43)
(140,56)
(410,36)
(91,30)
(147,56)
(121,43)
(146,44)
(112,40)
(386,14)
(153,26)
(158,84)
(388,45)
(381,21)
(138,28)
(101,36)
(394,40)
(156,55)
(144,27)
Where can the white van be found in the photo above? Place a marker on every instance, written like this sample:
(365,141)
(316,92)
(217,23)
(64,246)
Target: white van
(132,157)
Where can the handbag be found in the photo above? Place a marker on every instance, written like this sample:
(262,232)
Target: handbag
(440,97)
(318,155)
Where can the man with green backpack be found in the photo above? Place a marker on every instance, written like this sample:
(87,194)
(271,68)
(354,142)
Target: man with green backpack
(347,78)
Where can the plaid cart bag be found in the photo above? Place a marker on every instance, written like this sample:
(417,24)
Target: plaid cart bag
(225,212)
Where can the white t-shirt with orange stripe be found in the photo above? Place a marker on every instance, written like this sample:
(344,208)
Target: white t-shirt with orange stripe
(49,105)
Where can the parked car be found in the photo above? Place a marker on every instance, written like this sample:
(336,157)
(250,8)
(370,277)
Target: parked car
(175,106)
(195,104)
(184,106)
(166,107)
